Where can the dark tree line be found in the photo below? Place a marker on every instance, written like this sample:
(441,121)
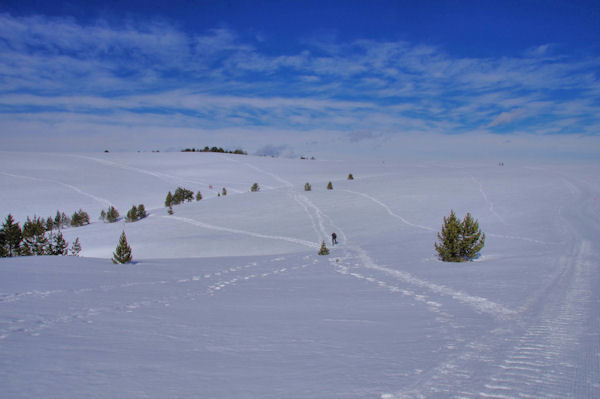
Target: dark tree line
(35,238)
(215,149)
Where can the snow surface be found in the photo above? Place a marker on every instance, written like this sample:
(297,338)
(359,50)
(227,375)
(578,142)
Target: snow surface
(229,299)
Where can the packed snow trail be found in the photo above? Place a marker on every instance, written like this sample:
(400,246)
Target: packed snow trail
(238,231)
(103,201)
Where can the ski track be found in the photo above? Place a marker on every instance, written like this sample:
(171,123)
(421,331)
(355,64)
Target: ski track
(389,211)
(159,175)
(104,201)
(34,327)
(488,202)
(244,232)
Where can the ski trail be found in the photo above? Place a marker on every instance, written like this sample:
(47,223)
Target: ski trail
(70,186)
(285,182)
(487,201)
(388,210)
(244,232)
(159,175)
(307,203)
(304,206)
(480,304)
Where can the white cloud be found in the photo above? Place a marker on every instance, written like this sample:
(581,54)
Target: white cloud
(135,74)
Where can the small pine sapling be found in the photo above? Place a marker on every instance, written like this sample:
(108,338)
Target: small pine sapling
(255,188)
(307,186)
(224,192)
(350,177)
(323,250)
(329,186)
(75,247)
(122,253)
(198,196)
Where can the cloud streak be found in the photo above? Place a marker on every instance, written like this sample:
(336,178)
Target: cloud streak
(133,75)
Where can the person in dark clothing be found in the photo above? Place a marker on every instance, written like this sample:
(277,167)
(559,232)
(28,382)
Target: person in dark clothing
(333,238)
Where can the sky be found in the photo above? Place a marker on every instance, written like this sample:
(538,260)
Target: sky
(289,78)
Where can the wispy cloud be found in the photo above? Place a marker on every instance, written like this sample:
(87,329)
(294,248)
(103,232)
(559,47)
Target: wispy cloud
(133,75)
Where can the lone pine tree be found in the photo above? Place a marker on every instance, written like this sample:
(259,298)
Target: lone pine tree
(123,252)
(323,250)
(329,186)
(459,241)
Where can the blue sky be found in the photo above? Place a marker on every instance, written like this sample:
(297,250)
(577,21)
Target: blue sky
(392,78)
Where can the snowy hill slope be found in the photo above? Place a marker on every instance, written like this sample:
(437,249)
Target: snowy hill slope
(229,299)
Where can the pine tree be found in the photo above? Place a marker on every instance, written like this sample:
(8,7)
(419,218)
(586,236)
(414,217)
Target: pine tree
(350,177)
(112,215)
(307,186)
(459,241)
(255,188)
(198,196)
(132,214)
(49,224)
(169,200)
(224,191)
(141,212)
(170,211)
(103,215)
(60,246)
(449,238)
(11,236)
(123,252)
(34,237)
(473,239)
(329,186)
(76,247)
(323,250)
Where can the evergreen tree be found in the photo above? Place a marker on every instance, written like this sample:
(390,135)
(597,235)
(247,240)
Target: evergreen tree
(323,250)
(80,218)
(103,215)
(76,247)
(169,200)
(141,211)
(459,241)
(472,240)
(132,214)
(11,236)
(224,191)
(58,220)
(350,177)
(34,237)
(170,211)
(307,186)
(49,224)
(255,187)
(112,215)
(329,186)
(122,253)
(449,238)
(198,196)
(59,245)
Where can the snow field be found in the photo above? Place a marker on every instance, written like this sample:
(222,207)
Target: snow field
(228,298)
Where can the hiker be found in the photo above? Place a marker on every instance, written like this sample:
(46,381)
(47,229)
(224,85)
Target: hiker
(333,238)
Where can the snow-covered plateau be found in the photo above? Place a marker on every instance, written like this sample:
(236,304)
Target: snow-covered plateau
(227,297)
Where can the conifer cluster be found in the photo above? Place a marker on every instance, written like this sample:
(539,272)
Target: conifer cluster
(34,239)
(111,215)
(459,241)
(136,213)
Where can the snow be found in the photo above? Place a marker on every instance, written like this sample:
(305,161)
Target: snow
(228,298)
